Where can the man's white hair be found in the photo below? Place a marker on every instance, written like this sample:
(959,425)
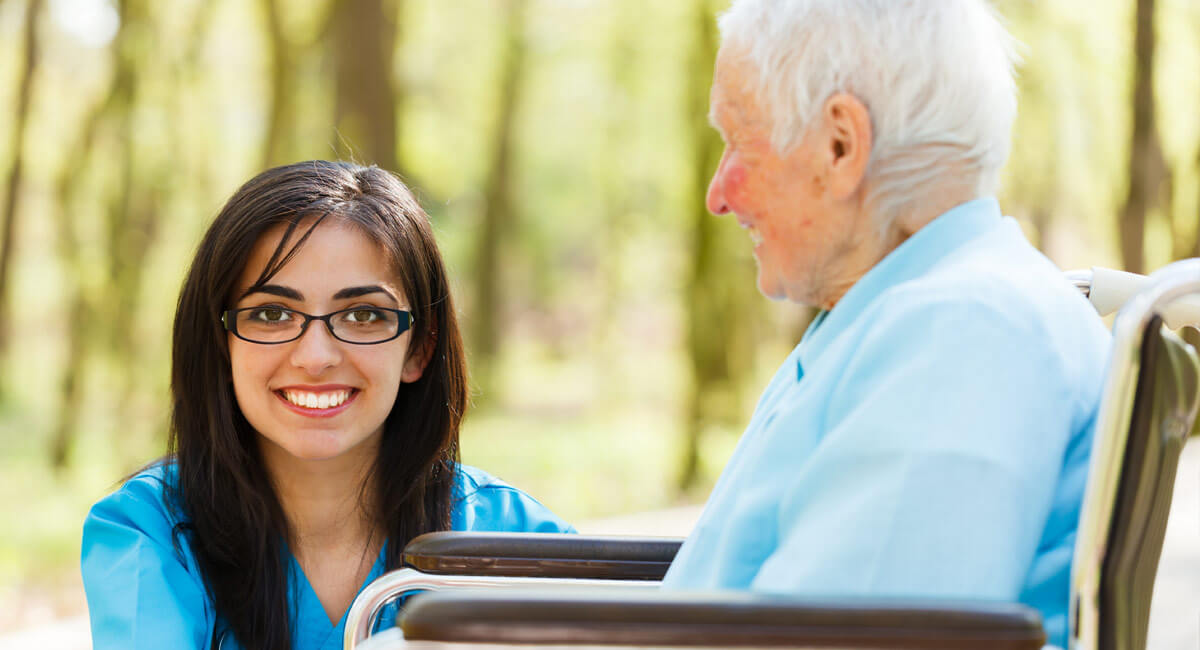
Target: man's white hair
(936,76)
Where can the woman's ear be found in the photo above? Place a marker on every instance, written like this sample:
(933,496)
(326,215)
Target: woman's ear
(418,358)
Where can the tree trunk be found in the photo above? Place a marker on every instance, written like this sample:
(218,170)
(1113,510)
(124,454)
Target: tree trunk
(1147,167)
(280,120)
(497,219)
(364,37)
(12,201)
(619,187)
(721,298)
(106,315)
(1195,250)
(72,384)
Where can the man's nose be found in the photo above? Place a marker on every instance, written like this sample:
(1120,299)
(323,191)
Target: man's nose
(715,199)
(316,350)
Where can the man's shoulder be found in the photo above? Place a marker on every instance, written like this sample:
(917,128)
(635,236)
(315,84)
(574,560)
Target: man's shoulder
(997,296)
(1000,277)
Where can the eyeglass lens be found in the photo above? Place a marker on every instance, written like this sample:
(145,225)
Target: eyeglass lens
(358,325)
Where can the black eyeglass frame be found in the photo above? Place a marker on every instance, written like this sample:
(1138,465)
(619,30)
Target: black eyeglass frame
(405,320)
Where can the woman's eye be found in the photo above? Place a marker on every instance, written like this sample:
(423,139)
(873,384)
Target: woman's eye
(271,315)
(363,315)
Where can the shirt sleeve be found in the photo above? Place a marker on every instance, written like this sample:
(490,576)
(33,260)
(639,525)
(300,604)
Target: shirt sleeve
(140,592)
(492,505)
(944,438)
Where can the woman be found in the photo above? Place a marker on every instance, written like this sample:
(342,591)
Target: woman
(318,383)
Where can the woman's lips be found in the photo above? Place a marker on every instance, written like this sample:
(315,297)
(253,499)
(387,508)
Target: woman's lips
(318,412)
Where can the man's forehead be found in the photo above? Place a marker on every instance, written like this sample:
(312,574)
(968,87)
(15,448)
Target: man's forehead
(731,97)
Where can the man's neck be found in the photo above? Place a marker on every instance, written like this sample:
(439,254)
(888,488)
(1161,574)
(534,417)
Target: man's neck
(865,254)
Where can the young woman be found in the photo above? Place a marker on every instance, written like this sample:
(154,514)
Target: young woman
(318,383)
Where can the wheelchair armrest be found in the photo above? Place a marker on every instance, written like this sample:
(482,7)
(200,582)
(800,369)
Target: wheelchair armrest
(547,555)
(638,618)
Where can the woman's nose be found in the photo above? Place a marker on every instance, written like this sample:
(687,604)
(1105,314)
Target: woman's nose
(316,350)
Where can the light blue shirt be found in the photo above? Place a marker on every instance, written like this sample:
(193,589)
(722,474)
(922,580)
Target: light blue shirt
(143,592)
(928,437)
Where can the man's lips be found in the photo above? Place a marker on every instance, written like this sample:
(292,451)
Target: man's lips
(751,230)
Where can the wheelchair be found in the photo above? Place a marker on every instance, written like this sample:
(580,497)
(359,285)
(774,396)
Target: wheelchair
(574,590)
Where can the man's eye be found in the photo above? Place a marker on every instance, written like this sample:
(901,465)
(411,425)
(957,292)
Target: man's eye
(271,315)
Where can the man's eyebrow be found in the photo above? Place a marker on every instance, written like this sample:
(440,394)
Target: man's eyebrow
(354,292)
(275,290)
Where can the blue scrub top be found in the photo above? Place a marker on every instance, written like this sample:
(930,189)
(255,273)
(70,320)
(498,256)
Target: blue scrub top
(143,592)
(928,437)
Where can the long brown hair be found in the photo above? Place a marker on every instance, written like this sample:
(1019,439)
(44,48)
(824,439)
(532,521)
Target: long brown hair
(229,513)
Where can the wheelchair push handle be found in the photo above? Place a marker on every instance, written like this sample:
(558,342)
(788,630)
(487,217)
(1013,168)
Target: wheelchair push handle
(1108,289)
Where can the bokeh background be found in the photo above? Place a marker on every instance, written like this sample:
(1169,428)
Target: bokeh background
(561,148)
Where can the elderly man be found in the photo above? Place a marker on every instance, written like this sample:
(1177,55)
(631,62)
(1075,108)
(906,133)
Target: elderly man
(929,435)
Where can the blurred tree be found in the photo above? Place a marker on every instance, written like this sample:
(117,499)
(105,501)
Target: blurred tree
(12,200)
(497,219)
(618,187)
(1148,172)
(131,219)
(364,44)
(281,120)
(1037,187)
(720,301)
(1195,248)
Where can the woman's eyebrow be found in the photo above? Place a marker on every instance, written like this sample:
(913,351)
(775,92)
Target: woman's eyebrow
(275,290)
(354,292)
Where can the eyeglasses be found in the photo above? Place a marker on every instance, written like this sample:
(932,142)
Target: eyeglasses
(357,325)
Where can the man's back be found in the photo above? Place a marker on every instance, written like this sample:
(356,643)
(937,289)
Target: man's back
(928,437)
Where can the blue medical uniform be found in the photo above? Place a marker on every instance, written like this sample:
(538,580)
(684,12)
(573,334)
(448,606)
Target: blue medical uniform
(928,437)
(143,592)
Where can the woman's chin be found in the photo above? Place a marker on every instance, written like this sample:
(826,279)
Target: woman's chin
(309,448)
(318,445)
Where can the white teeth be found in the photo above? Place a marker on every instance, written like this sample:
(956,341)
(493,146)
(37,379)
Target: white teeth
(315,400)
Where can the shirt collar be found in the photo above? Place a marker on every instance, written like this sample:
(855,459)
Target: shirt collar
(912,258)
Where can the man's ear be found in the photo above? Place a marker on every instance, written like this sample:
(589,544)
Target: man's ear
(418,358)
(848,127)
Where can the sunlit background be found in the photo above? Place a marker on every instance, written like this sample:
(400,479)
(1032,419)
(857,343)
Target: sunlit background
(561,149)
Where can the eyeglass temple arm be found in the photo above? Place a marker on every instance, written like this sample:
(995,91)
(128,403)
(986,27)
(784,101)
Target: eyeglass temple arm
(1108,289)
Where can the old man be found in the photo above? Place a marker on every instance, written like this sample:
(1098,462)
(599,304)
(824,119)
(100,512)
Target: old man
(929,435)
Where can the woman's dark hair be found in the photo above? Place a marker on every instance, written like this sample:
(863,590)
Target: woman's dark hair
(230,514)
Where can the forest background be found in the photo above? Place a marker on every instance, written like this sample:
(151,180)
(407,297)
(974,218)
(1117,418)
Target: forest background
(561,147)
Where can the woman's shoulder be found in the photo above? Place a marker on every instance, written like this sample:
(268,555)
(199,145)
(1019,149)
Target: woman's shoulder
(485,503)
(142,585)
(141,502)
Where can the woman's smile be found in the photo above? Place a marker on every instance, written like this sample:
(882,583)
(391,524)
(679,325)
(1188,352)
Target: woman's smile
(317,401)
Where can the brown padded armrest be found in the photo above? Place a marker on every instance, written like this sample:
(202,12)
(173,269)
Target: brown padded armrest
(547,555)
(635,617)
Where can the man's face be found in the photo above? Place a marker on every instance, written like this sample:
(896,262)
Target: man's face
(782,200)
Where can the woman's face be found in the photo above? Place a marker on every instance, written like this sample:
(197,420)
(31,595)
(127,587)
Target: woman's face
(353,386)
